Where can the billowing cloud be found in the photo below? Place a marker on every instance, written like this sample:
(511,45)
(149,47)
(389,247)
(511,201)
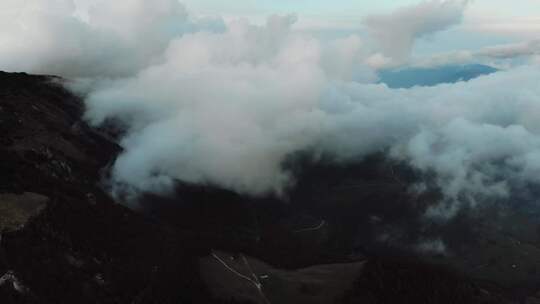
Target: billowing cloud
(222,108)
(226,104)
(396,32)
(118,39)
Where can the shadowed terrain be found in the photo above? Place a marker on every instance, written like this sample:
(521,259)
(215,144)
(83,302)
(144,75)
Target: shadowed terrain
(64,240)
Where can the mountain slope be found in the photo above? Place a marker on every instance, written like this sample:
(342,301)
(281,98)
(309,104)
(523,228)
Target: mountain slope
(75,245)
(64,240)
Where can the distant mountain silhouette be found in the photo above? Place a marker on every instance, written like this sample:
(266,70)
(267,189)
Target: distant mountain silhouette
(410,77)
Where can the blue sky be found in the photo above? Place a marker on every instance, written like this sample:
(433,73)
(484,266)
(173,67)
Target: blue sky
(298,6)
(486,22)
(359,7)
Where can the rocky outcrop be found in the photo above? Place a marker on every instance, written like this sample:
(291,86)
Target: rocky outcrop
(17,209)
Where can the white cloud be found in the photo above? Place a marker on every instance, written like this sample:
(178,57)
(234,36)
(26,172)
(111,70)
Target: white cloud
(396,32)
(226,104)
(119,40)
(529,48)
(496,55)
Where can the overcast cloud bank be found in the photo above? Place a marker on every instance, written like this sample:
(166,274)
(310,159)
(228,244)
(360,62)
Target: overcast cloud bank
(210,102)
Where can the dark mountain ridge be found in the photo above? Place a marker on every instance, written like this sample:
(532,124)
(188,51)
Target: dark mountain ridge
(64,240)
(83,247)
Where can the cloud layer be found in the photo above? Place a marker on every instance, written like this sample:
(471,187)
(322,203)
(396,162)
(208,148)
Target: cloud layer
(210,102)
(118,39)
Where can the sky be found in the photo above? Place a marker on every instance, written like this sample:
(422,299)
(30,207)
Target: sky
(359,8)
(478,9)
(350,9)
(485,22)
